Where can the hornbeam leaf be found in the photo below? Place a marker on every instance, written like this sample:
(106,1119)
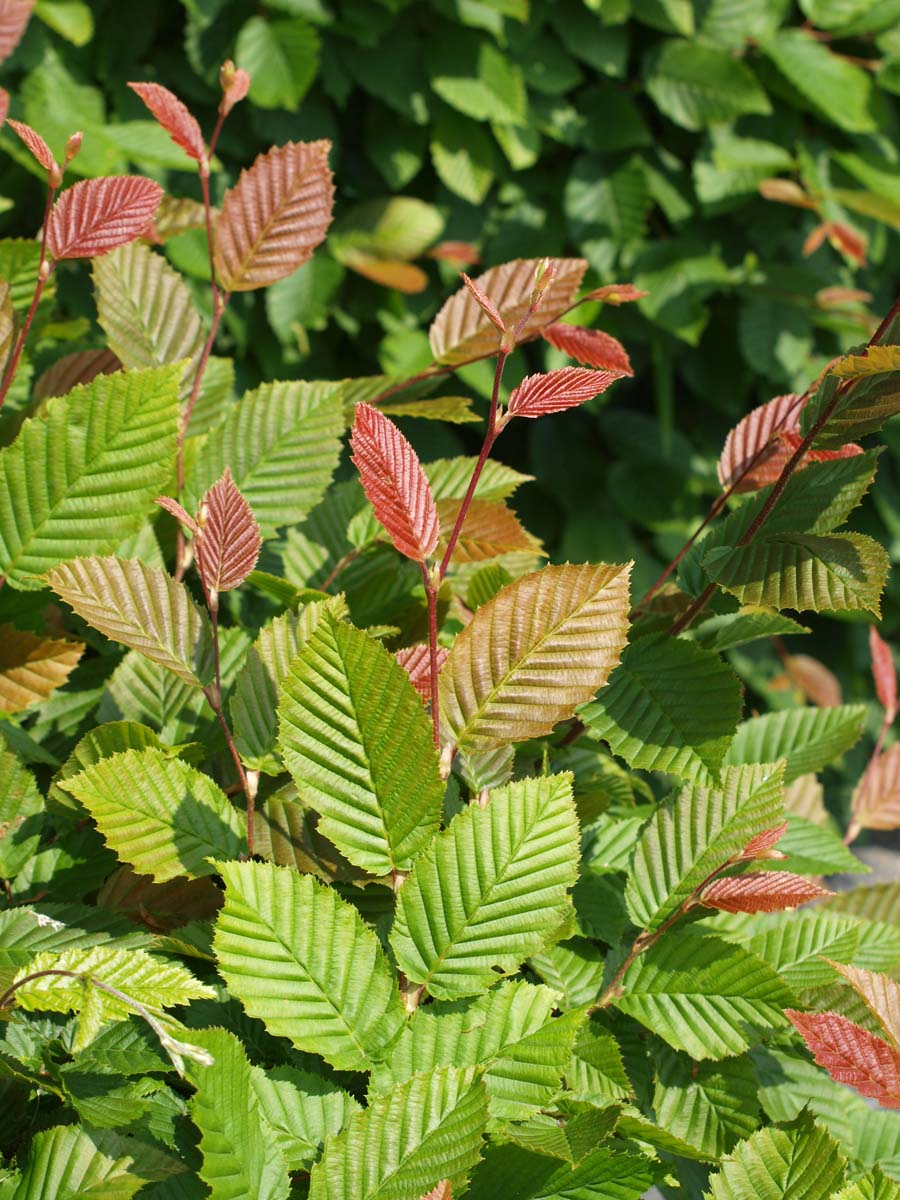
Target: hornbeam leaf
(765,891)
(874,1185)
(859,410)
(851,1055)
(798,945)
(97,215)
(32,667)
(14,16)
(489,530)
(710,1106)
(300,958)
(528,657)
(462,331)
(358,742)
(670,706)
(227,544)
(876,801)
(881,995)
(7,322)
(21,805)
(158,813)
(592,347)
(416,662)
(730,630)
(35,144)
(555,391)
(71,370)
(421,1132)
(688,838)
(490,890)
(142,607)
(301,1110)
(603,1174)
(884,672)
(68,1161)
(877,360)
(807,738)
(800,1162)
(107,450)
(450,478)
(174,116)
(703,995)
(274,217)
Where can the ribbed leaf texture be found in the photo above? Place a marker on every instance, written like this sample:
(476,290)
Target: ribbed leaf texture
(876,801)
(281,443)
(416,662)
(7,321)
(860,410)
(228,544)
(883,672)
(301,1110)
(671,706)
(35,144)
(14,16)
(555,391)
(104,452)
(143,608)
(800,1162)
(20,822)
(573,968)
(765,891)
(394,482)
(703,995)
(67,1160)
(274,217)
(421,1132)
(174,116)
(874,1185)
(32,667)
(851,1055)
(300,959)
(711,1106)
(489,530)
(159,814)
(876,361)
(543,645)
(761,844)
(489,890)
(97,215)
(603,1173)
(485,303)
(510,1032)
(797,945)
(358,743)
(72,369)
(730,630)
(689,838)
(808,738)
(880,994)
(461,330)
(241,1158)
(592,347)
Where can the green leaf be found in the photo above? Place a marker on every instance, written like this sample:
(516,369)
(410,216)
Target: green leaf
(703,996)
(70,1162)
(142,607)
(730,630)
(21,814)
(281,57)
(801,1162)
(528,657)
(241,1158)
(807,738)
(510,1032)
(282,444)
(596,1072)
(816,851)
(710,1106)
(449,479)
(463,156)
(69,18)
(109,738)
(797,943)
(470,73)
(573,968)
(874,1185)
(830,85)
(605,1174)
(399,227)
(300,958)
(669,707)
(699,831)
(160,815)
(860,410)
(301,1110)
(106,451)
(489,890)
(697,85)
(359,745)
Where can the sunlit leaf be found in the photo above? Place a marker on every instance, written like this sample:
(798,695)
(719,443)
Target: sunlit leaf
(97,215)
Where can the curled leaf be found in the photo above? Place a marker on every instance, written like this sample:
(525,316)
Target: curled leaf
(884,673)
(229,541)
(554,391)
(761,846)
(174,116)
(97,215)
(178,512)
(35,143)
(484,303)
(592,347)
(767,891)
(850,1054)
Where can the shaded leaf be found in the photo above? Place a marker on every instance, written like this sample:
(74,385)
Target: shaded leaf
(416,662)
(97,215)
(174,116)
(32,667)
(884,673)
(489,530)
(73,369)
(555,391)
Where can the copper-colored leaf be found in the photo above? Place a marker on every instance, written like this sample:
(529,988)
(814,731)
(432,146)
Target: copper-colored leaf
(416,662)
(768,891)
(275,216)
(235,83)
(179,512)
(833,297)
(72,369)
(32,666)
(851,1054)
(14,16)
(616,293)
(884,673)
(229,541)
(819,685)
(97,215)
(881,995)
(160,906)
(35,144)
(395,483)
(762,845)
(555,391)
(489,530)
(592,347)
(484,302)
(785,191)
(463,253)
(4,104)
(7,322)
(441,1191)
(461,331)
(842,237)
(174,116)
(389,272)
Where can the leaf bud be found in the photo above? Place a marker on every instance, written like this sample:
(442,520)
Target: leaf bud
(73,145)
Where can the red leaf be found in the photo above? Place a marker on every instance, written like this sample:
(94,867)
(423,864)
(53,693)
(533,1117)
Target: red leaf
(819,685)
(616,293)
(851,1055)
(14,16)
(97,215)
(229,541)
(4,104)
(876,802)
(590,346)
(485,303)
(463,253)
(395,483)
(768,891)
(555,391)
(761,845)
(178,512)
(70,370)
(35,144)
(884,673)
(441,1191)
(174,116)
(842,237)
(416,661)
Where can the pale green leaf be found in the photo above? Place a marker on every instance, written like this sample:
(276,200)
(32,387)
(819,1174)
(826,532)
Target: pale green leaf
(463,156)
(874,1185)
(801,1162)
(730,630)
(573,968)
(281,57)
(711,1106)
(797,943)
(450,478)
(100,742)
(596,1072)
(301,1111)
(832,86)
(698,85)
(67,1162)
(21,814)
(807,738)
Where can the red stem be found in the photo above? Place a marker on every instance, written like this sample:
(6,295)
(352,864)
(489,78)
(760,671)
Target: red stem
(431,593)
(45,270)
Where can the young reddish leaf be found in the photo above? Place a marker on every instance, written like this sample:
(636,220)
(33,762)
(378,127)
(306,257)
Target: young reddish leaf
(393,479)
(416,662)
(616,293)
(4,104)
(70,370)
(876,801)
(485,303)
(275,216)
(880,993)
(463,253)
(178,512)
(884,673)
(235,84)
(97,215)
(441,1191)
(388,272)
(14,16)
(174,116)
(833,297)
(489,530)
(819,685)
(761,845)
(768,891)
(851,1054)
(35,144)
(229,540)
(590,346)
(555,391)
(842,237)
